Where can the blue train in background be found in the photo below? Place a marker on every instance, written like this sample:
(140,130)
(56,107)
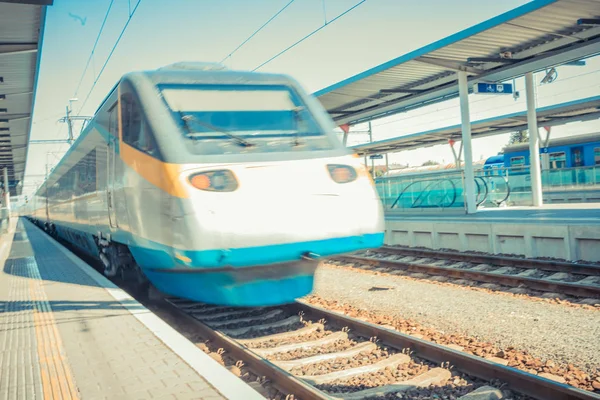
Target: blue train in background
(570,170)
(569,152)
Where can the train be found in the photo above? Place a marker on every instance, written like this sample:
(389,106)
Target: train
(214,185)
(567,152)
(568,163)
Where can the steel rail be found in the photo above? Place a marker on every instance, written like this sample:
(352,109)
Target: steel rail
(573,289)
(520,381)
(507,261)
(282,380)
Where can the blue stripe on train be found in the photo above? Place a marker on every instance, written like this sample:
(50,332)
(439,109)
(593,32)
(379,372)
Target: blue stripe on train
(160,256)
(150,254)
(225,287)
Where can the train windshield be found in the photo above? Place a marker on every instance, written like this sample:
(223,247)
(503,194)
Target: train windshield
(221,119)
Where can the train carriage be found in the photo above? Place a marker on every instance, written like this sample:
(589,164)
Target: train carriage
(219,186)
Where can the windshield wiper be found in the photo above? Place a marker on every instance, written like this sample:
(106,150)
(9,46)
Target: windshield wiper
(185,122)
(297,120)
(239,140)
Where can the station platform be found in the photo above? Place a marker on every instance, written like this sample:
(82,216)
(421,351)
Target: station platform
(67,332)
(563,231)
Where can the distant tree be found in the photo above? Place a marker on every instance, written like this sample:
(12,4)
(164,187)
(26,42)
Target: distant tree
(429,162)
(379,171)
(518,137)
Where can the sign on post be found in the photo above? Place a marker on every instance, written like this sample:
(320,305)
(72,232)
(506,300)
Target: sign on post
(493,88)
(376,156)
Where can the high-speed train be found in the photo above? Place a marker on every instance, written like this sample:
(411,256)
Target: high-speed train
(218,186)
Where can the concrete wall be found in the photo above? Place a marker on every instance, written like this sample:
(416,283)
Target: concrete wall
(567,242)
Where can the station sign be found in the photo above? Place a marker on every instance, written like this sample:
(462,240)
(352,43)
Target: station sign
(376,156)
(493,88)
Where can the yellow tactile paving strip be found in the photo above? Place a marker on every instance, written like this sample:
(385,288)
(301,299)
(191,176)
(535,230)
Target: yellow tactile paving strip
(57,378)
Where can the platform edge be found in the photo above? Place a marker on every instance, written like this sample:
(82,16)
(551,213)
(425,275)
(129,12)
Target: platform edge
(217,376)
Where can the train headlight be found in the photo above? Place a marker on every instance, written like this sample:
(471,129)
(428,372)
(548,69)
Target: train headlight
(214,181)
(342,173)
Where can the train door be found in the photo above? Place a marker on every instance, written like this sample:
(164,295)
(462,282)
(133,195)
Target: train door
(577,156)
(111,162)
(578,176)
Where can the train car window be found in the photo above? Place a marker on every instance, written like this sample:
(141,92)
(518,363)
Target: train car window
(597,156)
(132,119)
(146,142)
(135,131)
(558,160)
(100,168)
(113,123)
(273,118)
(517,161)
(91,171)
(577,157)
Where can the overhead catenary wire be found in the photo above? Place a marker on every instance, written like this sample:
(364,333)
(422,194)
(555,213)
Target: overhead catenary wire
(309,35)
(258,30)
(131,14)
(94,48)
(110,55)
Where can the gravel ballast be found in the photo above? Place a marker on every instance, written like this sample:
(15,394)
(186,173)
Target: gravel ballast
(548,331)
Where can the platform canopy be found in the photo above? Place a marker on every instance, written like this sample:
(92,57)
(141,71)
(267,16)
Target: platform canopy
(21,33)
(575,111)
(536,36)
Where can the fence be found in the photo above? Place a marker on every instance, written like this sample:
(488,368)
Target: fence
(444,190)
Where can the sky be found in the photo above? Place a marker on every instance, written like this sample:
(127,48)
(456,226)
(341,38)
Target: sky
(164,32)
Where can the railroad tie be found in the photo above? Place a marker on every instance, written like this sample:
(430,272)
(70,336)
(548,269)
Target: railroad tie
(351,352)
(393,361)
(329,339)
(435,376)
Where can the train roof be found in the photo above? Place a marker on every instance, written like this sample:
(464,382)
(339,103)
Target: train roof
(564,141)
(210,73)
(186,73)
(495,159)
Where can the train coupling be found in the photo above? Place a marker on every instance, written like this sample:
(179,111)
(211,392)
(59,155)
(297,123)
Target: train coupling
(309,256)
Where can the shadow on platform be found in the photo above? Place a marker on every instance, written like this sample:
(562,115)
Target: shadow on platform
(67,305)
(64,312)
(33,256)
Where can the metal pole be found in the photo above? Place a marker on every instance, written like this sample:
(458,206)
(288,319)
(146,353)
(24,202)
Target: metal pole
(469,193)
(345,140)
(372,160)
(6,194)
(70,140)
(534,145)
(46,187)
(387,163)
(456,163)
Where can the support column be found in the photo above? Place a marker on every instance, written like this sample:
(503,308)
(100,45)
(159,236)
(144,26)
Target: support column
(469,192)
(534,142)
(387,163)
(6,194)
(372,160)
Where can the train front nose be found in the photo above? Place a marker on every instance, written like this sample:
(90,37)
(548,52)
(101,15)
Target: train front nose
(296,217)
(292,209)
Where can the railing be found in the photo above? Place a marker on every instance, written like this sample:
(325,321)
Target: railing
(443,190)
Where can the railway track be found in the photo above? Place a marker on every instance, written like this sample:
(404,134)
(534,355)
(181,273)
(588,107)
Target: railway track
(307,352)
(579,280)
